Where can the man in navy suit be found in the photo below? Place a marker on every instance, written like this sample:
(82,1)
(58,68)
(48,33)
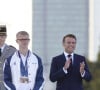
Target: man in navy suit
(69,69)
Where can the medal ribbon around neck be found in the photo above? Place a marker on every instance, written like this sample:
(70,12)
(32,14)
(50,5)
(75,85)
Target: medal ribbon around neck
(23,68)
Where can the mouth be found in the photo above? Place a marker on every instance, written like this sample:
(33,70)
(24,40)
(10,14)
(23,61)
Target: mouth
(71,48)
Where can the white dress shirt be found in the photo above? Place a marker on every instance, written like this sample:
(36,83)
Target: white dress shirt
(72,55)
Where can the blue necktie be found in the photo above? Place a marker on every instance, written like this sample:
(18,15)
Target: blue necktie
(0,51)
(70,67)
(69,57)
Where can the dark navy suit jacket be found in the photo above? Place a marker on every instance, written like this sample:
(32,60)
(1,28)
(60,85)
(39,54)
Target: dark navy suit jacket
(73,79)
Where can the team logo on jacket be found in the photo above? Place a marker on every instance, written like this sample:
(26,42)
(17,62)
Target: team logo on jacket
(14,63)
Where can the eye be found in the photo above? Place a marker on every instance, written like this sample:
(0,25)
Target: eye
(70,42)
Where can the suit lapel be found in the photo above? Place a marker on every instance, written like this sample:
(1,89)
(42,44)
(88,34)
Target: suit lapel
(63,58)
(74,59)
(5,52)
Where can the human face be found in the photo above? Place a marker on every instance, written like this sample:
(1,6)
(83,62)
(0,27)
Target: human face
(2,40)
(69,44)
(23,41)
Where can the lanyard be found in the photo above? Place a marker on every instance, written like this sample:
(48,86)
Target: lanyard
(23,68)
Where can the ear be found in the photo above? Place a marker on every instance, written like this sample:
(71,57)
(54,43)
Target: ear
(16,41)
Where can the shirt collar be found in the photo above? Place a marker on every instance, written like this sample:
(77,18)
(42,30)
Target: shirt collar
(66,54)
(2,48)
(23,55)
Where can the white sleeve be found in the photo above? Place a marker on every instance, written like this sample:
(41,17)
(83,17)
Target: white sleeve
(65,71)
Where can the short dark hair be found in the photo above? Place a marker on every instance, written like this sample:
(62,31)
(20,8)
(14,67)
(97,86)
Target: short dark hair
(69,35)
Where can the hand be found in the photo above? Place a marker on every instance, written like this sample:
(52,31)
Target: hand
(67,64)
(82,65)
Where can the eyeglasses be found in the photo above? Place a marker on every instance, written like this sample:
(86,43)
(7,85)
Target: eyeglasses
(23,39)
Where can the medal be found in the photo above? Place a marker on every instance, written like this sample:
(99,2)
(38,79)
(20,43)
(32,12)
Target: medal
(24,80)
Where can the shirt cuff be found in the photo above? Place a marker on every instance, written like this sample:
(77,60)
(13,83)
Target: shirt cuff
(65,71)
(82,74)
